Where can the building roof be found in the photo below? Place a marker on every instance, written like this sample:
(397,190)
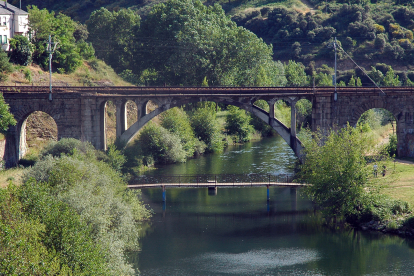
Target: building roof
(10,9)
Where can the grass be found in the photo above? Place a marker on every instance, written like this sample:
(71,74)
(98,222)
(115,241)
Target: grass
(403,186)
(93,72)
(13,174)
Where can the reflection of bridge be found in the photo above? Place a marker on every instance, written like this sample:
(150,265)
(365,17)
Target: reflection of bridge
(79,112)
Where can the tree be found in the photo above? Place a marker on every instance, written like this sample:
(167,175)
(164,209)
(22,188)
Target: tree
(176,121)
(6,118)
(390,78)
(61,28)
(21,50)
(295,74)
(323,79)
(336,168)
(113,36)
(238,123)
(5,66)
(352,81)
(207,129)
(164,146)
(186,41)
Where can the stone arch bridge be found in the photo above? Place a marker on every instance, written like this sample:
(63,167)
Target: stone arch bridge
(79,112)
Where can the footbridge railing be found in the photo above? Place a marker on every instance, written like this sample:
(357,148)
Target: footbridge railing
(213,180)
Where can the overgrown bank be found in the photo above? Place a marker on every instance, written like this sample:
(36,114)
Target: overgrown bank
(348,175)
(71,216)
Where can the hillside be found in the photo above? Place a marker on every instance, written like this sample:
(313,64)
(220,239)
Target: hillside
(376,33)
(92,73)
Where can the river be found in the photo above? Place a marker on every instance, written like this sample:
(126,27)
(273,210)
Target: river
(237,232)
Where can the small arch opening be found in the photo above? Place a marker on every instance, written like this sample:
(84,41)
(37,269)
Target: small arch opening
(132,113)
(150,106)
(282,112)
(37,130)
(110,123)
(382,125)
(303,114)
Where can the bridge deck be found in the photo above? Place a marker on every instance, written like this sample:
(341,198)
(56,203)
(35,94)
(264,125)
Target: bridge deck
(214,184)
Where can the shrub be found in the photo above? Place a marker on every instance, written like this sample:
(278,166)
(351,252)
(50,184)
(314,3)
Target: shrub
(391,147)
(206,128)
(22,50)
(177,121)
(67,146)
(97,193)
(164,146)
(238,123)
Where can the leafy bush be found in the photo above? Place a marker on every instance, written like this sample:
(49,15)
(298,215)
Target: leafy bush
(177,121)
(95,192)
(164,146)
(238,123)
(207,129)
(67,146)
(391,147)
(21,50)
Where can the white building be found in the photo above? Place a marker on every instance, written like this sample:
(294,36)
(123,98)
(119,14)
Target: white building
(13,21)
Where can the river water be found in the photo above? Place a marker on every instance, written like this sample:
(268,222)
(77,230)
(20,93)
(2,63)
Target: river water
(238,232)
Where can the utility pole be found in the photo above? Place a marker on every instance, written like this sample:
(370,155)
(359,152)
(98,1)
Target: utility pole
(51,47)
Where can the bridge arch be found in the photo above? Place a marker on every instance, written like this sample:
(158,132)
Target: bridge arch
(400,119)
(247,105)
(21,126)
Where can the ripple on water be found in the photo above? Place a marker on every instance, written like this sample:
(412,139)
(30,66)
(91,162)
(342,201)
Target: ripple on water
(254,262)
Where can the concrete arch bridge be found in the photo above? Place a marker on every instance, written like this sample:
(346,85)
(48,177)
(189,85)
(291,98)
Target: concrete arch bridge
(79,112)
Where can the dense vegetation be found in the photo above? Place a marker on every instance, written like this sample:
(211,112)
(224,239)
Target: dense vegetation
(340,168)
(190,131)
(72,216)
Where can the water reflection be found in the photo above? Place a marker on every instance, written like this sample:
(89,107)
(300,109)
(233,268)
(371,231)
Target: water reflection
(270,155)
(240,232)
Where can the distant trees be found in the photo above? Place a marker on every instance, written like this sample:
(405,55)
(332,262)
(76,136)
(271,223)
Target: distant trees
(183,43)
(113,35)
(63,29)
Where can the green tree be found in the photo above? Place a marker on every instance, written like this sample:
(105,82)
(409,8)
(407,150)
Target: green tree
(238,123)
(295,74)
(207,129)
(323,79)
(186,41)
(177,121)
(352,82)
(5,66)
(7,118)
(61,28)
(358,82)
(336,168)
(21,50)
(390,78)
(113,35)
(163,146)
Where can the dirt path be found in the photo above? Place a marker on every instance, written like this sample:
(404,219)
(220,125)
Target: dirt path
(309,5)
(406,162)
